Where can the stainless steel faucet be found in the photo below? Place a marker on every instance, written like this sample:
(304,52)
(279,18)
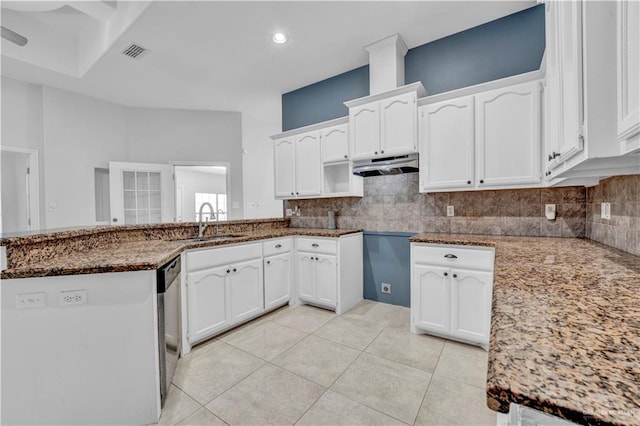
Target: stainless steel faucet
(218,213)
(202,225)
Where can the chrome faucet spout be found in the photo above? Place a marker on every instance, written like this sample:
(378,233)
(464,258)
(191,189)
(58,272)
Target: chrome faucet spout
(202,225)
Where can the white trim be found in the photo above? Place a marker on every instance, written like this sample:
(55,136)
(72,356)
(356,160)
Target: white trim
(34,184)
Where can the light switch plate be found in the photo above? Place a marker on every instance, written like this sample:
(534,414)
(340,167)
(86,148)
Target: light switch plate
(30,300)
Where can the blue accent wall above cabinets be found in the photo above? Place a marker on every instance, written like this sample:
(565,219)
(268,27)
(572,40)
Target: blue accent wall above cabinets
(507,46)
(501,48)
(323,100)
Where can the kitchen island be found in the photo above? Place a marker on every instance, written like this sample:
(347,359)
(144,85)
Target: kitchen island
(565,327)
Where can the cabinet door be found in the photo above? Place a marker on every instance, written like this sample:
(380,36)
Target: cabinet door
(306,276)
(335,143)
(569,45)
(308,165)
(246,290)
(326,280)
(628,69)
(208,299)
(364,134)
(283,150)
(277,280)
(471,307)
(508,136)
(551,94)
(433,305)
(447,144)
(398,125)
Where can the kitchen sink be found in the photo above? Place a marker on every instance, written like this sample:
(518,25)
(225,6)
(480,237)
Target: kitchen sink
(211,238)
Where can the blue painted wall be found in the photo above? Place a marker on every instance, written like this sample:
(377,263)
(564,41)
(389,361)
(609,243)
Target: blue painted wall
(501,48)
(386,259)
(323,100)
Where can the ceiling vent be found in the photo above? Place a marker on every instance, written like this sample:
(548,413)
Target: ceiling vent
(134,51)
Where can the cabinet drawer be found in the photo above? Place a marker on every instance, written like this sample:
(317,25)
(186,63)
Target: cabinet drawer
(276,246)
(206,258)
(453,256)
(317,245)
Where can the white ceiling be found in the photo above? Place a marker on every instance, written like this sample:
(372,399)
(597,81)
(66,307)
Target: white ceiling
(219,55)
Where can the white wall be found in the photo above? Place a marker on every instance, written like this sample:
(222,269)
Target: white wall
(80,134)
(163,135)
(260,119)
(193,182)
(22,122)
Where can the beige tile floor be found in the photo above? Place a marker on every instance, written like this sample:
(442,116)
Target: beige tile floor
(308,366)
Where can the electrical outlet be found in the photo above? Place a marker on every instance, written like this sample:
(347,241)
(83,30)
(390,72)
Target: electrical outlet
(386,288)
(288,212)
(450,211)
(74,297)
(605,210)
(32,300)
(550,211)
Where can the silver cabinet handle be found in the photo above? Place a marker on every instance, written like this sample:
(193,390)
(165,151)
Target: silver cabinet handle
(450,256)
(315,245)
(278,245)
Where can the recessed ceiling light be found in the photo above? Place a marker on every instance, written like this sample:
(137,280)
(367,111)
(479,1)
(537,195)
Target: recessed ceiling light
(279,38)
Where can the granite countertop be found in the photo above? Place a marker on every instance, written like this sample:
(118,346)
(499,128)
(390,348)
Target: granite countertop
(124,256)
(565,327)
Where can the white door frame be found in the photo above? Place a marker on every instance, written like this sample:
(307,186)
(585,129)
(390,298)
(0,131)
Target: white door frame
(33,184)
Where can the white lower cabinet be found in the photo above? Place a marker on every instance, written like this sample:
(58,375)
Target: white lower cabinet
(329,271)
(224,288)
(318,279)
(277,280)
(451,290)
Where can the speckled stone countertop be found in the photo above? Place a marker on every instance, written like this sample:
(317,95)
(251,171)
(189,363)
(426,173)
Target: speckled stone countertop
(96,250)
(565,327)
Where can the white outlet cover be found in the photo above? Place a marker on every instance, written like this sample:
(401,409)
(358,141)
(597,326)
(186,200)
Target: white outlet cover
(605,210)
(74,297)
(450,211)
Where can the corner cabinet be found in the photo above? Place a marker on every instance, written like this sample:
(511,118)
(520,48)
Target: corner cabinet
(628,34)
(385,125)
(297,163)
(486,141)
(451,290)
(329,271)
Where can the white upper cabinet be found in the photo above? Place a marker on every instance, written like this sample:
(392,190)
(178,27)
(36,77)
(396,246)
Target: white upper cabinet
(385,125)
(298,166)
(365,131)
(508,136)
(283,150)
(398,127)
(628,30)
(308,166)
(487,141)
(448,141)
(335,143)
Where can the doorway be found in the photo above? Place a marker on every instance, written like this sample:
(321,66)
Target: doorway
(197,184)
(20,194)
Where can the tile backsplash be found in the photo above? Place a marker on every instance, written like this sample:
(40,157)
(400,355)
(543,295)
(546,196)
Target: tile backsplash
(393,203)
(622,230)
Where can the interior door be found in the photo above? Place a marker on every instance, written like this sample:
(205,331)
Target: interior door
(16,209)
(141,193)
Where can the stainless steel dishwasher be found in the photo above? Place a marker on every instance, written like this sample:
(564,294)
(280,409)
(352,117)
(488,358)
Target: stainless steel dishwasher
(169,331)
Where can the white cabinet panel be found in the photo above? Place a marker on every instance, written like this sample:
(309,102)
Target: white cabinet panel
(471,308)
(306,276)
(628,72)
(246,290)
(364,122)
(308,165)
(432,305)
(277,280)
(398,127)
(284,167)
(208,301)
(508,136)
(326,280)
(335,143)
(447,135)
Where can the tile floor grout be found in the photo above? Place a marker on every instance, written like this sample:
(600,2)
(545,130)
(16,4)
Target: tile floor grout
(271,317)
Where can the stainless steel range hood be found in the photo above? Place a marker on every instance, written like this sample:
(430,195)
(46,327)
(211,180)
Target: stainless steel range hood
(386,166)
